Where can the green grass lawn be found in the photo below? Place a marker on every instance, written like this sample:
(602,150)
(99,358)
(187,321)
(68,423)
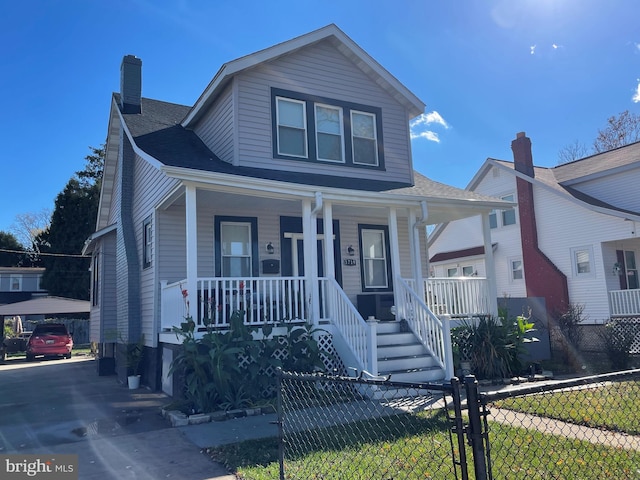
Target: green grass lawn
(370,450)
(613,406)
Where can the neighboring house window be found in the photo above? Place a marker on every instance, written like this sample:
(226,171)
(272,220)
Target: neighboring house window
(95,279)
(364,141)
(468,271)
(329,144)
(582,261)
(15,283)
(236,248)
(452,272)
(517,272)
(374,252)
(327,130)
(292,127)
(505,217)
(147,242)
(629,271)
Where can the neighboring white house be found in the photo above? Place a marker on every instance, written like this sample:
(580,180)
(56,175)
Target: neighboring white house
(572,239)
(286,191)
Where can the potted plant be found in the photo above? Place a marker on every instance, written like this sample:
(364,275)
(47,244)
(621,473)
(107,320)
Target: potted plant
(135,352)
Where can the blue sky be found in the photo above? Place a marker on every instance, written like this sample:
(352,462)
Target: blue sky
(486,69)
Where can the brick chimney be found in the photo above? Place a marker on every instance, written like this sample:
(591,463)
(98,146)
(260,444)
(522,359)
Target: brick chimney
(542,277)
(523,160)
(130,84)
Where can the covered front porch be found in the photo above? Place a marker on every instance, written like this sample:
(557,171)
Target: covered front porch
(306,257)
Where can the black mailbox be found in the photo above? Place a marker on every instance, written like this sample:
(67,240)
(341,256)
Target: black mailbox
(271,266)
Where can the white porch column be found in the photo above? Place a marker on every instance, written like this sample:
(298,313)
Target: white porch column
(310,246)
(327,219)
(415,231)
(395,260)
(489,265)
(191,226)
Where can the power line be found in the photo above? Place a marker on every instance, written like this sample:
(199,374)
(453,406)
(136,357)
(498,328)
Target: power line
(26,252)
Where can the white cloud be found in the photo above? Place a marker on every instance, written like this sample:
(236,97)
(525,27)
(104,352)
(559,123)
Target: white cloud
(636,96)
(420,126)
(554,46)
(427,134)
(532,48)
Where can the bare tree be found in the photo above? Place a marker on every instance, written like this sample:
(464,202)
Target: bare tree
(572,152)
(27,228)
(620,130)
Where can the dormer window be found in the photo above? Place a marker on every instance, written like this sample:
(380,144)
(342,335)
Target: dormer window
(321,129)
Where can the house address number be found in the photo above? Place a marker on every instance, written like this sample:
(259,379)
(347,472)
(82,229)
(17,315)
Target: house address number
(350,262)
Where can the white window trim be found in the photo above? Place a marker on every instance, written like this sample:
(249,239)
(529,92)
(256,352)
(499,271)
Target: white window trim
(375,139)
(315,119)
(499,213)
(574,263)
(511,260)
(147,243)
(304,121)
(11,279)
(381,232)
(222,254)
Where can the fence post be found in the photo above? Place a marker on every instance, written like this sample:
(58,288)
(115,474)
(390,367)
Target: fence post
(459,428)
(280,422)
(475,427)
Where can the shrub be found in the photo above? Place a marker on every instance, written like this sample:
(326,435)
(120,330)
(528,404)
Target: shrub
(617,341)
(229,369)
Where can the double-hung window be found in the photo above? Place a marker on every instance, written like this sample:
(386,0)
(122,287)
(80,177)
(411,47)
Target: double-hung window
(374,251)
(235,241)
(517,271)
(291,119)
(329,143)
(307,127)
(364,139)
(15,282)
(582,261)
(505,217)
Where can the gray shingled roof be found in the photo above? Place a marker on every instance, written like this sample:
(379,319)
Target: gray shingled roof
(158,132)
(550,177)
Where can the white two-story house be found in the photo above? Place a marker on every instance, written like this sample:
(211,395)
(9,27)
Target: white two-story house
(287,191)
(573,238)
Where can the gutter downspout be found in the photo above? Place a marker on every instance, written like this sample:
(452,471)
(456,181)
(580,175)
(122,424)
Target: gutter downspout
(419,225)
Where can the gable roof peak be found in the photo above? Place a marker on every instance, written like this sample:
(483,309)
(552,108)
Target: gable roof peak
(344,44)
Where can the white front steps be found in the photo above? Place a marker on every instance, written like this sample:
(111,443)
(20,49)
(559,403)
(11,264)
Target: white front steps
(402,356)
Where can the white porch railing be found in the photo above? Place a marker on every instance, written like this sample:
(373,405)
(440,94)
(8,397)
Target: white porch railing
(434,333)
(624,303)
(263,299)
(358,335)
(458,296)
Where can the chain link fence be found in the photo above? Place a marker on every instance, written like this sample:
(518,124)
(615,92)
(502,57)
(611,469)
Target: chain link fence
(586,428)
(335,427)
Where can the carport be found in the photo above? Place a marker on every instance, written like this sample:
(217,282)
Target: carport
(45,306)
(40,306)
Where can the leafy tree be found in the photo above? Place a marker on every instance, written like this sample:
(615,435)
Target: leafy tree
(8,246)
(72,222)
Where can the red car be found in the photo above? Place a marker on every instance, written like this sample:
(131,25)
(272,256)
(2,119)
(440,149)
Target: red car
(49,339)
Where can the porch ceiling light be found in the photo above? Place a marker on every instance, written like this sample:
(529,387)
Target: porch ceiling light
(270,248)
(351,251)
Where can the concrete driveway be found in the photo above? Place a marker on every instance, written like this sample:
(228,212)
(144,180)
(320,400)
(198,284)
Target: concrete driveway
(64,407)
